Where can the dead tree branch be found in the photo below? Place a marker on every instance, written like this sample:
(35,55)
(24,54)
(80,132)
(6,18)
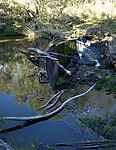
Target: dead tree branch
(49,115)
(50,100)
(55,101)
(47,55)
(58,54)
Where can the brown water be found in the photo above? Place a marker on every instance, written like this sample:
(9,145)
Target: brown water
(21,95)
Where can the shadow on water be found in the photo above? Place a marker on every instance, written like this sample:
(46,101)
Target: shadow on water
(22,95)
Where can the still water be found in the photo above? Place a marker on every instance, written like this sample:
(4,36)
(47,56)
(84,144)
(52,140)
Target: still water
(22,95)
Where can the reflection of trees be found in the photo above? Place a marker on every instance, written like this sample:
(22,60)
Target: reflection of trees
(75,90)
(2,122)
(20,77)
(29,120)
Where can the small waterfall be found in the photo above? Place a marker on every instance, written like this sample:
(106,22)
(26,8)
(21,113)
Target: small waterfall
(83,51)
(80,48)
(1,67)
(97,63)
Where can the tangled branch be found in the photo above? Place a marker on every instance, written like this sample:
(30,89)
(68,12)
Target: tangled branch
(41,54)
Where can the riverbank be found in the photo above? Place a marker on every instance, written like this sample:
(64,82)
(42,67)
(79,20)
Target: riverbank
(16,71)
(94,24)
(21,18)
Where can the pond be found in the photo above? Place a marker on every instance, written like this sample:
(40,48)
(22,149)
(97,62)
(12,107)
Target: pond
(21,94)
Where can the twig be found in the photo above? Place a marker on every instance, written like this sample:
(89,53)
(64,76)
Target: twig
(31,49)
(46,55)
(90,144)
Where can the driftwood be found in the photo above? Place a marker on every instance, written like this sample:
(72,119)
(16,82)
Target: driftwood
(20,126)
(62,67)
(35,119)
(49,115)
(49,46)
(55,61)
(47,55)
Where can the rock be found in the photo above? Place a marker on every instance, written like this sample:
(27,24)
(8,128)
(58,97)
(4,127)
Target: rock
(96,31)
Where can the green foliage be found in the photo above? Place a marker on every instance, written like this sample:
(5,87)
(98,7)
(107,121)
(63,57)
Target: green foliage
(20,76)
(111,83)
(107,83)
(12,17)
(66,48)
(100,83)
(60,81)
(103,125)
(55,15)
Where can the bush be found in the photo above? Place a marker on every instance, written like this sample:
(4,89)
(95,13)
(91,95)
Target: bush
(102,125)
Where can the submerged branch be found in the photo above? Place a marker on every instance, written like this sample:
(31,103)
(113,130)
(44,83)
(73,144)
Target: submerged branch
(50,100)
(55,101)
(49,115)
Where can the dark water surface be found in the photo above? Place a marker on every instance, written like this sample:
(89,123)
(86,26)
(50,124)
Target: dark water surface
(21,95)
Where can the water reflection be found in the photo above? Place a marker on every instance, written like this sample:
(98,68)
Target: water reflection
(94,103)
(19,76)
(22,95)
